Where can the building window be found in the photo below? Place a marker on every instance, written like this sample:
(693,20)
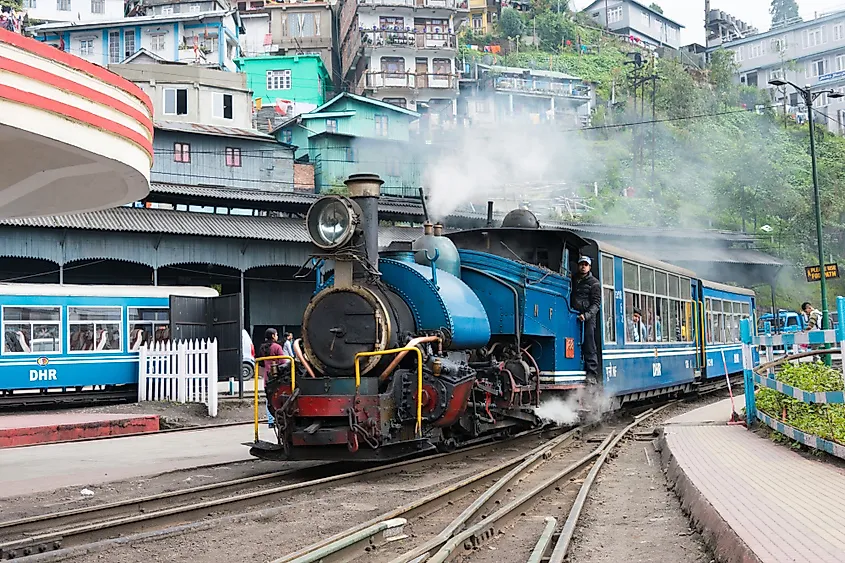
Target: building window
(29,3)
(614,15)
(305,24)
(222,106)
(608,308)
(331,126)
(287,136)
(442,66)
(814,37)
(63,5)
(393,67)
(776,74)
(381,125)
(98,6)
(175,101)
(278,80)
(86,47)
(389,22)
(233,157)
(477,22)
(114,47)
(818,67)
(32,330)
(646,19)
(672,33)
(757,50)
(94,329)
(157,42)
(181,152)
(399,102)
(128,43)
(838,32)
(167,10)
(349,154)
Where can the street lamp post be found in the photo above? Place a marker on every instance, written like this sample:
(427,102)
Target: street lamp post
(809,97)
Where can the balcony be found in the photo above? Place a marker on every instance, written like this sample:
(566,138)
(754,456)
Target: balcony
(375,80)
(544,87)
(431,4)
(407,38)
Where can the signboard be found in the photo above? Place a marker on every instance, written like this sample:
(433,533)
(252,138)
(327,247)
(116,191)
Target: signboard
(814,273)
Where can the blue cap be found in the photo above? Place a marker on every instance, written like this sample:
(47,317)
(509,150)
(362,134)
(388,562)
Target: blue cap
(586,260)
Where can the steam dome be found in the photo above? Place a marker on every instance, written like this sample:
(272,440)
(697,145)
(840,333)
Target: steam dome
(522,219)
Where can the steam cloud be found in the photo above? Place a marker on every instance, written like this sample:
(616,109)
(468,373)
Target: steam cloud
(585,405)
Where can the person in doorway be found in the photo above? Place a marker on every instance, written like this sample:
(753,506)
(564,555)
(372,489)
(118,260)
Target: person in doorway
(639,333)
(270,347)
(813,317)
(586,299)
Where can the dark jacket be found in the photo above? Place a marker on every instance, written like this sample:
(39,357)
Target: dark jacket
(586,296)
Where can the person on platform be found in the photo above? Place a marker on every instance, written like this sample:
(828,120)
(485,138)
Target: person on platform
(639,332)
(813,317)
(586,299)
(288,347)
(270,347)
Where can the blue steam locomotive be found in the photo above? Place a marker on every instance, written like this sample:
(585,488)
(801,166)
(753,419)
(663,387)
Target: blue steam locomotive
(436,343)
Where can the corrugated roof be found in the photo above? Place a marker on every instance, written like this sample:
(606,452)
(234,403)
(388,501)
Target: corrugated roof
(141,220)
(716,254)
(216,130)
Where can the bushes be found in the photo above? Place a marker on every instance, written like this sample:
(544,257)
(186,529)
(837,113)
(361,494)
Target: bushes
(825,421)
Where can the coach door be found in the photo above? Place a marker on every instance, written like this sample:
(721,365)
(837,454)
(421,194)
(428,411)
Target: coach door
(698,319)
(211,317)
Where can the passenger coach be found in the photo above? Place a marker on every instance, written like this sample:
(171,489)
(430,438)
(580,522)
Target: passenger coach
(59,338)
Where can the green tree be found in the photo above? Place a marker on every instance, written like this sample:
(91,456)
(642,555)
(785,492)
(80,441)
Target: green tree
(553,29)
(14,4)
(656,8)
(783,11)
(511,24)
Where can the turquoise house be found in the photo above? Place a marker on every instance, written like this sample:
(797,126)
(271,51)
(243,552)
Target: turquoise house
(299,83)
(351,134)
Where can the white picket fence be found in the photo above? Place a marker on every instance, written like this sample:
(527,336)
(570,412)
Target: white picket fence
(183,372)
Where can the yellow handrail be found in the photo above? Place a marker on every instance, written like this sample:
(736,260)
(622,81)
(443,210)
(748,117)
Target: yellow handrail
(255,384)
(360,355)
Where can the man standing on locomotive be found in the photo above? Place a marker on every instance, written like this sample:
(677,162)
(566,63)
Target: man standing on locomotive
(269,348)
(586,299)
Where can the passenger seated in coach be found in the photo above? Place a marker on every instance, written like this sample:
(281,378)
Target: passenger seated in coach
(136,339)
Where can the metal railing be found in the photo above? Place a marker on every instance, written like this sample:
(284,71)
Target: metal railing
(534,85)
(385,79)
(408,38)
(255,384)
(359,355)
(763,375)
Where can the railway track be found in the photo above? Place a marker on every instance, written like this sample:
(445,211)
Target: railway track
(511,488)
(84,526)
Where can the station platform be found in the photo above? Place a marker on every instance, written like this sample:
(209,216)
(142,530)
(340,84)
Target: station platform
(29,429)
(92,463)
(751,499)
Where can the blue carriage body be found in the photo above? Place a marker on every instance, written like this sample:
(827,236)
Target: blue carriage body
(77,337)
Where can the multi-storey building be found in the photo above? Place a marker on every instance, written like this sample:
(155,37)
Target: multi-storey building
(483,15)
(192,94)
(806,53)
(73,10)
(409,54)
(637,20)
(203,32)
(493,94)
(293,84)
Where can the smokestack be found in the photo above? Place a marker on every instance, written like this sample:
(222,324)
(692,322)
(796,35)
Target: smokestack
(364,190)
(489,213)
(425,209)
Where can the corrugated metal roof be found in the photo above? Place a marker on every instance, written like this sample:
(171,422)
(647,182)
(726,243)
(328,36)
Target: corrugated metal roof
(724,255)
(141,220)
(216,130)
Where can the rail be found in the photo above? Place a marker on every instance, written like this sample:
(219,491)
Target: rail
(255,384)
(762,375)
(406,349)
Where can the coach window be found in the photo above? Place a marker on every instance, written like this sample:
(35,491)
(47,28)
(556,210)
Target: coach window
(608,306)
(708,307)
(718,322)
(32,330)
(94,329)
(631,281)
(661,283)
(146,325)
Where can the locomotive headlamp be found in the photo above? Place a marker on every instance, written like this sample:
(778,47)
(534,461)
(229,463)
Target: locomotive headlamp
(331,221)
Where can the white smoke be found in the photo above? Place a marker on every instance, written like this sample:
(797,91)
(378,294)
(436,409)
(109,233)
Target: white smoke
(584,405)
(485,163)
